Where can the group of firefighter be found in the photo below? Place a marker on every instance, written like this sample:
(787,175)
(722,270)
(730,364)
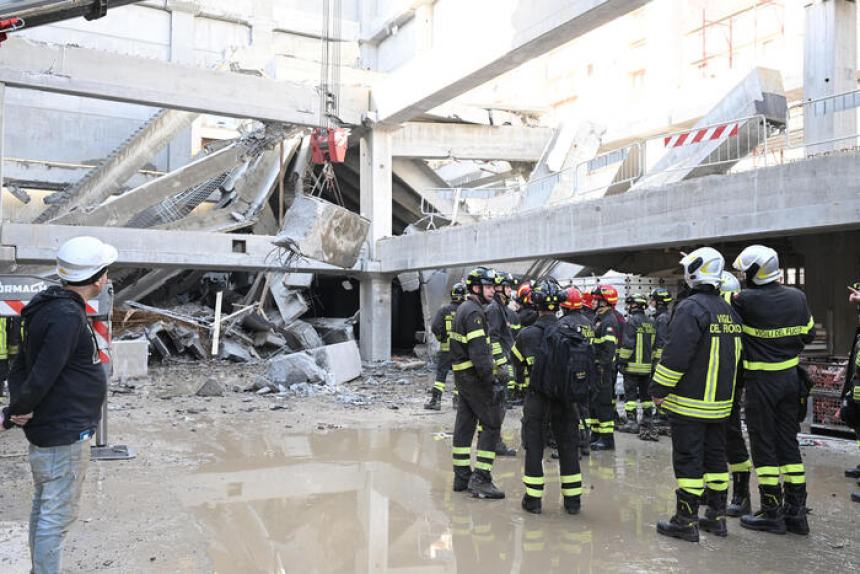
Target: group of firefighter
(557,352)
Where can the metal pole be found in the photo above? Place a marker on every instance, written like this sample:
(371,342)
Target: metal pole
(2,143)
(102,429)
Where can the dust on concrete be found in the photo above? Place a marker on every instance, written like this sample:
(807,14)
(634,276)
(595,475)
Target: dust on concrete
(357,479)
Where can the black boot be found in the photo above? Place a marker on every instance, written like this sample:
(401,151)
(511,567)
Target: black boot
(714,520)
(855,496)
(740,504)
(684,524)
(795,509)
(604,442)
(481,486)
(462,474)
(770,518)
(504,450)
(853,472)
(434,403)
(585,442)
(630,425)
(572,504)
(532,504)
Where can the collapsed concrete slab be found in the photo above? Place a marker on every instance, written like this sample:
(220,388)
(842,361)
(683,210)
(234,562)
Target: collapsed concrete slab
(130,358)
(301,335)
(295,368)
(291,304)
(342,361)
(334,331)
(323,231)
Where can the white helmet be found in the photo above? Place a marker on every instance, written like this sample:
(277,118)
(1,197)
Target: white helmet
(729,283)
(760,263)
(704,266)
(83,257)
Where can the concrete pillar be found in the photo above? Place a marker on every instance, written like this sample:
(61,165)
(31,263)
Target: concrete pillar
(376,205)
(181,52)
(829,68)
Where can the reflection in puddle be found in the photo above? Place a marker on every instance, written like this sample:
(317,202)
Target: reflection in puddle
(380,501)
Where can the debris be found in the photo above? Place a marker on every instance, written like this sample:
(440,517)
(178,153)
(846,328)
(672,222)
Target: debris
(323,231)
(210,388)
(130,358)
(334,331)
(342,361)
(409,365)
(269,339)
(295,368)
(301,335)
(291,304)
(233,351)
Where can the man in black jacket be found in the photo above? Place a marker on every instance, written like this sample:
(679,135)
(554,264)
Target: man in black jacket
(695,383)
(58,380)
(777,325)
(441,328)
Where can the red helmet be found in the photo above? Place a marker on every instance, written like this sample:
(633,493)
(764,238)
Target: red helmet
(572,299)
(587,299)
(606,292)
(524,292)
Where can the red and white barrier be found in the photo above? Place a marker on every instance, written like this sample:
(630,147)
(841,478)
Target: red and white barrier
(701,135)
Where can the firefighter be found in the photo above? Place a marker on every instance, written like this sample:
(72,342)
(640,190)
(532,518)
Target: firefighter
(737,454)
(5,359)
(661,299)
(525,310)
(441,327)
(776,324)
(588,307)
(574,315)
(481,398)
(634,357)
(606,335)
(694,381)
(501,341)
(544,402)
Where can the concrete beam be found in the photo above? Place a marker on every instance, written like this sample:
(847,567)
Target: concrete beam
(813,195)
(37,244)
(418,175)
(482,40)
(474,142)
(103,75)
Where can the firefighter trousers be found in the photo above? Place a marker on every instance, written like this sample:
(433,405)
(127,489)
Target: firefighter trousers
(636,388)
(443,367)
(699,455)
(736,447)
(480,402)
(772,408)
(601,400)
(564,419)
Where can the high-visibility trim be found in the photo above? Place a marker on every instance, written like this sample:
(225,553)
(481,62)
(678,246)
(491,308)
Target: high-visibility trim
(533,492)
(475,334)
(658,354)
(779,333)
(713,371)
(461,462)
(647,404)
(530,361)
(605,339)
(670,373)
(497,348)
(695,486)
(630,405)
(439,386)
(793,473)
(501,361)
(768,475)
(486,454)
(794,479)
(517,354)
(462,450)
(444,347)
(666,377)
(463,366)
(481,465)
(534,480)
(571,491)
(604,427)
(567,478)
(625,353)
(639,368)
(768,480)
(792,468)
(716,477)
(778,366)
(745,466)
(710,411)
(639,351)
(856,391)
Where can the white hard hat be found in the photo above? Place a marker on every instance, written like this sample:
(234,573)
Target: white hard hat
(83,257)
(729,283)
(704,266)
(760,263)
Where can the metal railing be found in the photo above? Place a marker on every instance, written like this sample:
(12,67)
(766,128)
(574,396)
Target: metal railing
(832,109)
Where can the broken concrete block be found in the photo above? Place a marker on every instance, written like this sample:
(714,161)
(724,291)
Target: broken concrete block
(323,231)
(410,281)
(291,304)
(269,339)
(298,280)
(130,358)
(294,369)
(334,331)
(233,351)
(210,388)
(342,361)
(410,365)
(301,335)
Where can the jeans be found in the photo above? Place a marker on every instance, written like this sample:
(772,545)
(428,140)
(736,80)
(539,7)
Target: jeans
(58,478)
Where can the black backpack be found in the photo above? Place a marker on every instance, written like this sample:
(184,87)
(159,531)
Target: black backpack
(564,364)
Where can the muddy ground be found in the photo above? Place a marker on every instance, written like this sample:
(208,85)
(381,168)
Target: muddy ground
(357,479)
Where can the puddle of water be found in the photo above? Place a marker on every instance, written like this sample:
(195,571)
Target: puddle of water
(376,501)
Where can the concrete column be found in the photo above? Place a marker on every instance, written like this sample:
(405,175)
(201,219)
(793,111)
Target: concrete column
(829,68)
(181,52)
(376,205)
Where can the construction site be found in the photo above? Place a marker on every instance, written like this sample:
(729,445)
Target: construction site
(293,189)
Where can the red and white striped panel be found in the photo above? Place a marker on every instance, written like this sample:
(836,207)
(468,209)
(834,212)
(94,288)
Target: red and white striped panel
(102,331)
(705,134)
(11,308)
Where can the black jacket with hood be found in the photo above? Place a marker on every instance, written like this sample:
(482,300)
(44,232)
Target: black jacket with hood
(57,375)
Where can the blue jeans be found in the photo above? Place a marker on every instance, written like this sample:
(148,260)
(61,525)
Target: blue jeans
(58,478)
